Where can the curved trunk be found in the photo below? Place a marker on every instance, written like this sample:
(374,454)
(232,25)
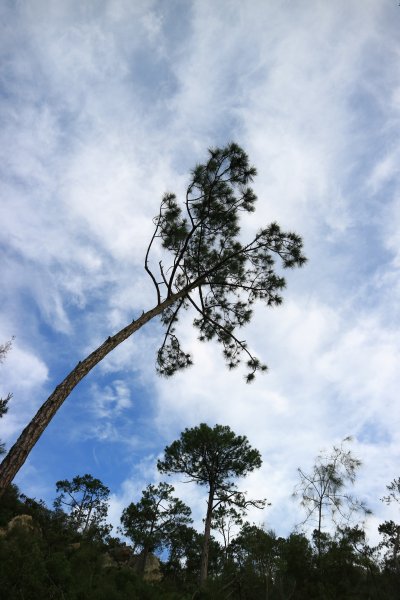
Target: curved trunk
(206,543)
(19,452)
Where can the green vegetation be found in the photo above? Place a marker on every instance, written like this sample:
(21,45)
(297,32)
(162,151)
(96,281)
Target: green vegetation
(153,522)
(68,553)
(86,500)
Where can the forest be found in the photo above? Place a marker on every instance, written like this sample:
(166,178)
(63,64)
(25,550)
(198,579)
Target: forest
(70,551)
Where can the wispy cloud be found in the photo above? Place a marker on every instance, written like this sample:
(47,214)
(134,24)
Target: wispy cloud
(104,108)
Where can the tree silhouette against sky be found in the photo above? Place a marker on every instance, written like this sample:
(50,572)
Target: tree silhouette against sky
(210,271)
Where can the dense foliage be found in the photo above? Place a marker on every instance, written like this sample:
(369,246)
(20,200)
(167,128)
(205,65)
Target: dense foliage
(42,555)
(86,501)
(223,277)
(153,522)
(70,555)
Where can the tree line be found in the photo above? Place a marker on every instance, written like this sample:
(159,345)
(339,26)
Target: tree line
(61,552)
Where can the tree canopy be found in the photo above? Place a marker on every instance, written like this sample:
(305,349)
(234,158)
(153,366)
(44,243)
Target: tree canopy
(223,276)
(211,456)
(153,522)
(85,499)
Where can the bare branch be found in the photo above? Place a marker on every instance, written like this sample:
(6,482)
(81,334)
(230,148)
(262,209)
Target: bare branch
(146,260)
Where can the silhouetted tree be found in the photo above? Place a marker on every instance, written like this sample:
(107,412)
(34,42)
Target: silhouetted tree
(323,490)
(256,553)
(153,522)
(210,271)
(86,501)
(225,520)
(394,492)
(213,457)
(391,530)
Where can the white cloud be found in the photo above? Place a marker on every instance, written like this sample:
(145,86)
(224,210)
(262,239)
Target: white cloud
(112,399)
(108,108)
(330,377)
(24,375)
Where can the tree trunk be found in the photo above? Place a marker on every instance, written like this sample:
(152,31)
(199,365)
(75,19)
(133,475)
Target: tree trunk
(143,561)
(19,452)
(206,543)
(396,547)
(319,528)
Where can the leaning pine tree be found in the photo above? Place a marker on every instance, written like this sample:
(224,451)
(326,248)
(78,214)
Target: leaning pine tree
(210,271)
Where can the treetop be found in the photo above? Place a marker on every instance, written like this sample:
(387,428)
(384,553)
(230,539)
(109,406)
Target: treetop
(207,454)
(222,277)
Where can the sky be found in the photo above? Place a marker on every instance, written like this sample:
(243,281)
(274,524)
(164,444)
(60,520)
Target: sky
(104,107)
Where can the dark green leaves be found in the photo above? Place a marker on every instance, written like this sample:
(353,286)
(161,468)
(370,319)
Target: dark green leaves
(86,500)
(206,454)
(152,522)
(220,276)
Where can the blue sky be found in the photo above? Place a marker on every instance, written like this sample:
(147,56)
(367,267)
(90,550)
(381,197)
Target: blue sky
(104,106)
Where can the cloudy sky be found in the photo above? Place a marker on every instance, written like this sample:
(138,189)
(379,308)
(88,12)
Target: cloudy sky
(107,104)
